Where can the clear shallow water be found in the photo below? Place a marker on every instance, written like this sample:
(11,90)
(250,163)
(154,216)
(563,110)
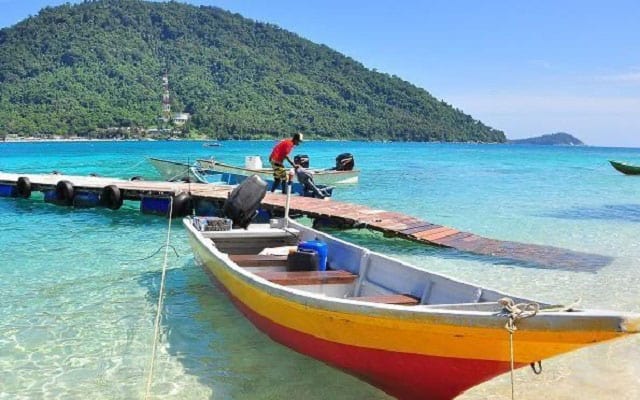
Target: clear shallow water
(79,287)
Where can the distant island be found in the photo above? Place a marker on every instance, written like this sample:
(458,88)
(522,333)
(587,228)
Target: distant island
(551,139)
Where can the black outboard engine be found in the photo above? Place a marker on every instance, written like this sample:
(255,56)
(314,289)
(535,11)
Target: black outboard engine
(309,188)
(302,160)
(345,162)
(243,202)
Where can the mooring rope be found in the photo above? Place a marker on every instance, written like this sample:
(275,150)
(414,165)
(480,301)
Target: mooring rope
(515,313)
(156,328)
(154,253)
(133,166)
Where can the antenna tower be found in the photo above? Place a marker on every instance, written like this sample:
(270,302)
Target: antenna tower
(166,102)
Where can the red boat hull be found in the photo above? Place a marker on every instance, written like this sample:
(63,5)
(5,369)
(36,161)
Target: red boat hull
(404,376)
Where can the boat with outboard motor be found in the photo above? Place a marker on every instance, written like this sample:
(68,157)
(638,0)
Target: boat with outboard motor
(343,173)
(176,171)
(413,333)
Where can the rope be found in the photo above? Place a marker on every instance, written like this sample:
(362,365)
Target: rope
(156,329)
(156,252)
(174,178)
(516,312)
(134,166)
(568,307)
(189,180)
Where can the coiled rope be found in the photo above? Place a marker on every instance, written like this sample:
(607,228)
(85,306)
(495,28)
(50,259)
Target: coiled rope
(516,312)
(156,329)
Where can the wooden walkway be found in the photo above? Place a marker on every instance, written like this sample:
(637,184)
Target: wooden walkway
(347,215)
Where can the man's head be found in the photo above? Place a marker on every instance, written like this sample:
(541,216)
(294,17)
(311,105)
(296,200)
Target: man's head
(297,138)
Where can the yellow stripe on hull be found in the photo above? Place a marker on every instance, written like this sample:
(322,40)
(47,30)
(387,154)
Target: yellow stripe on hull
(424,333)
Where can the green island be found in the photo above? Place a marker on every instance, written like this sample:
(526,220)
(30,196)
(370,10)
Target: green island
(96,69)
(551,139)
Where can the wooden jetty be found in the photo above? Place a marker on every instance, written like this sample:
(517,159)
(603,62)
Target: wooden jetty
(342,214)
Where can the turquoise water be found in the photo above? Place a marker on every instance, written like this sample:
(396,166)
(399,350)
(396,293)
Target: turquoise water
(79,287)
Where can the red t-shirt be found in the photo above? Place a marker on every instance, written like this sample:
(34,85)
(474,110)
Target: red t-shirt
(281,150)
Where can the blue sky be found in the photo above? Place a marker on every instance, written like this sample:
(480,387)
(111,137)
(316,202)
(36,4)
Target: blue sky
(527,67)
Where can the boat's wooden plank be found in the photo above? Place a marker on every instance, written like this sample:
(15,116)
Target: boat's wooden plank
(258,260)
(400,299)
(290,278)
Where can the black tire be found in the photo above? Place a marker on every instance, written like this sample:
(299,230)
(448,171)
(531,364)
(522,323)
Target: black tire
(182,205)
(23,186)
(136,178)
(111,197)
(64,193)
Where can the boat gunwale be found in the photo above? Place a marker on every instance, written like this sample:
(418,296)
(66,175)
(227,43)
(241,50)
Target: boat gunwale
(321,171)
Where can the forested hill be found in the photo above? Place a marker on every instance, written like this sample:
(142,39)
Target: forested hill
(78,69)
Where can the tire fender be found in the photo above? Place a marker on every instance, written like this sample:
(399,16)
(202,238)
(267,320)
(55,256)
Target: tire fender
(23,186)
(64,193)
(111,197)
(182,205)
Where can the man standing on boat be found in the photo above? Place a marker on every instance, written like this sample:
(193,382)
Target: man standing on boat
(280,153)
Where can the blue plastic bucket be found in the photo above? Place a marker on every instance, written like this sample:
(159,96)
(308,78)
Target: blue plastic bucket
(320,248)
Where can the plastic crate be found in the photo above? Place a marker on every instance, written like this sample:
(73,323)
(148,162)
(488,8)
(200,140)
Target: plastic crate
(204,224)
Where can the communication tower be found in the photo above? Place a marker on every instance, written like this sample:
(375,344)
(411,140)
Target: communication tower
(166,102)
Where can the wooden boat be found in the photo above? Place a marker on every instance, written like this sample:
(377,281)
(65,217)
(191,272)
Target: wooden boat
(625,168)
(410,332)
(176,171)
(327,177)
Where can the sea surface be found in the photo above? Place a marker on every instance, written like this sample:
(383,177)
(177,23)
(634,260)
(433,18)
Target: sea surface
(79,287)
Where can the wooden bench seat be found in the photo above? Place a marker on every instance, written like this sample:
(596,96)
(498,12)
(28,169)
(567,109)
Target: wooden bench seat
(289,278)
(258,260)
(399,299)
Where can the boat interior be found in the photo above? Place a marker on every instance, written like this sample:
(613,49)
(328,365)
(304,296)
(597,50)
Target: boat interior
(352,272)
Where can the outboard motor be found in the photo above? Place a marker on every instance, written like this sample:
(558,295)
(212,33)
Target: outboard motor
(302,160)
(309,188)
(345,162)
(243,202)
